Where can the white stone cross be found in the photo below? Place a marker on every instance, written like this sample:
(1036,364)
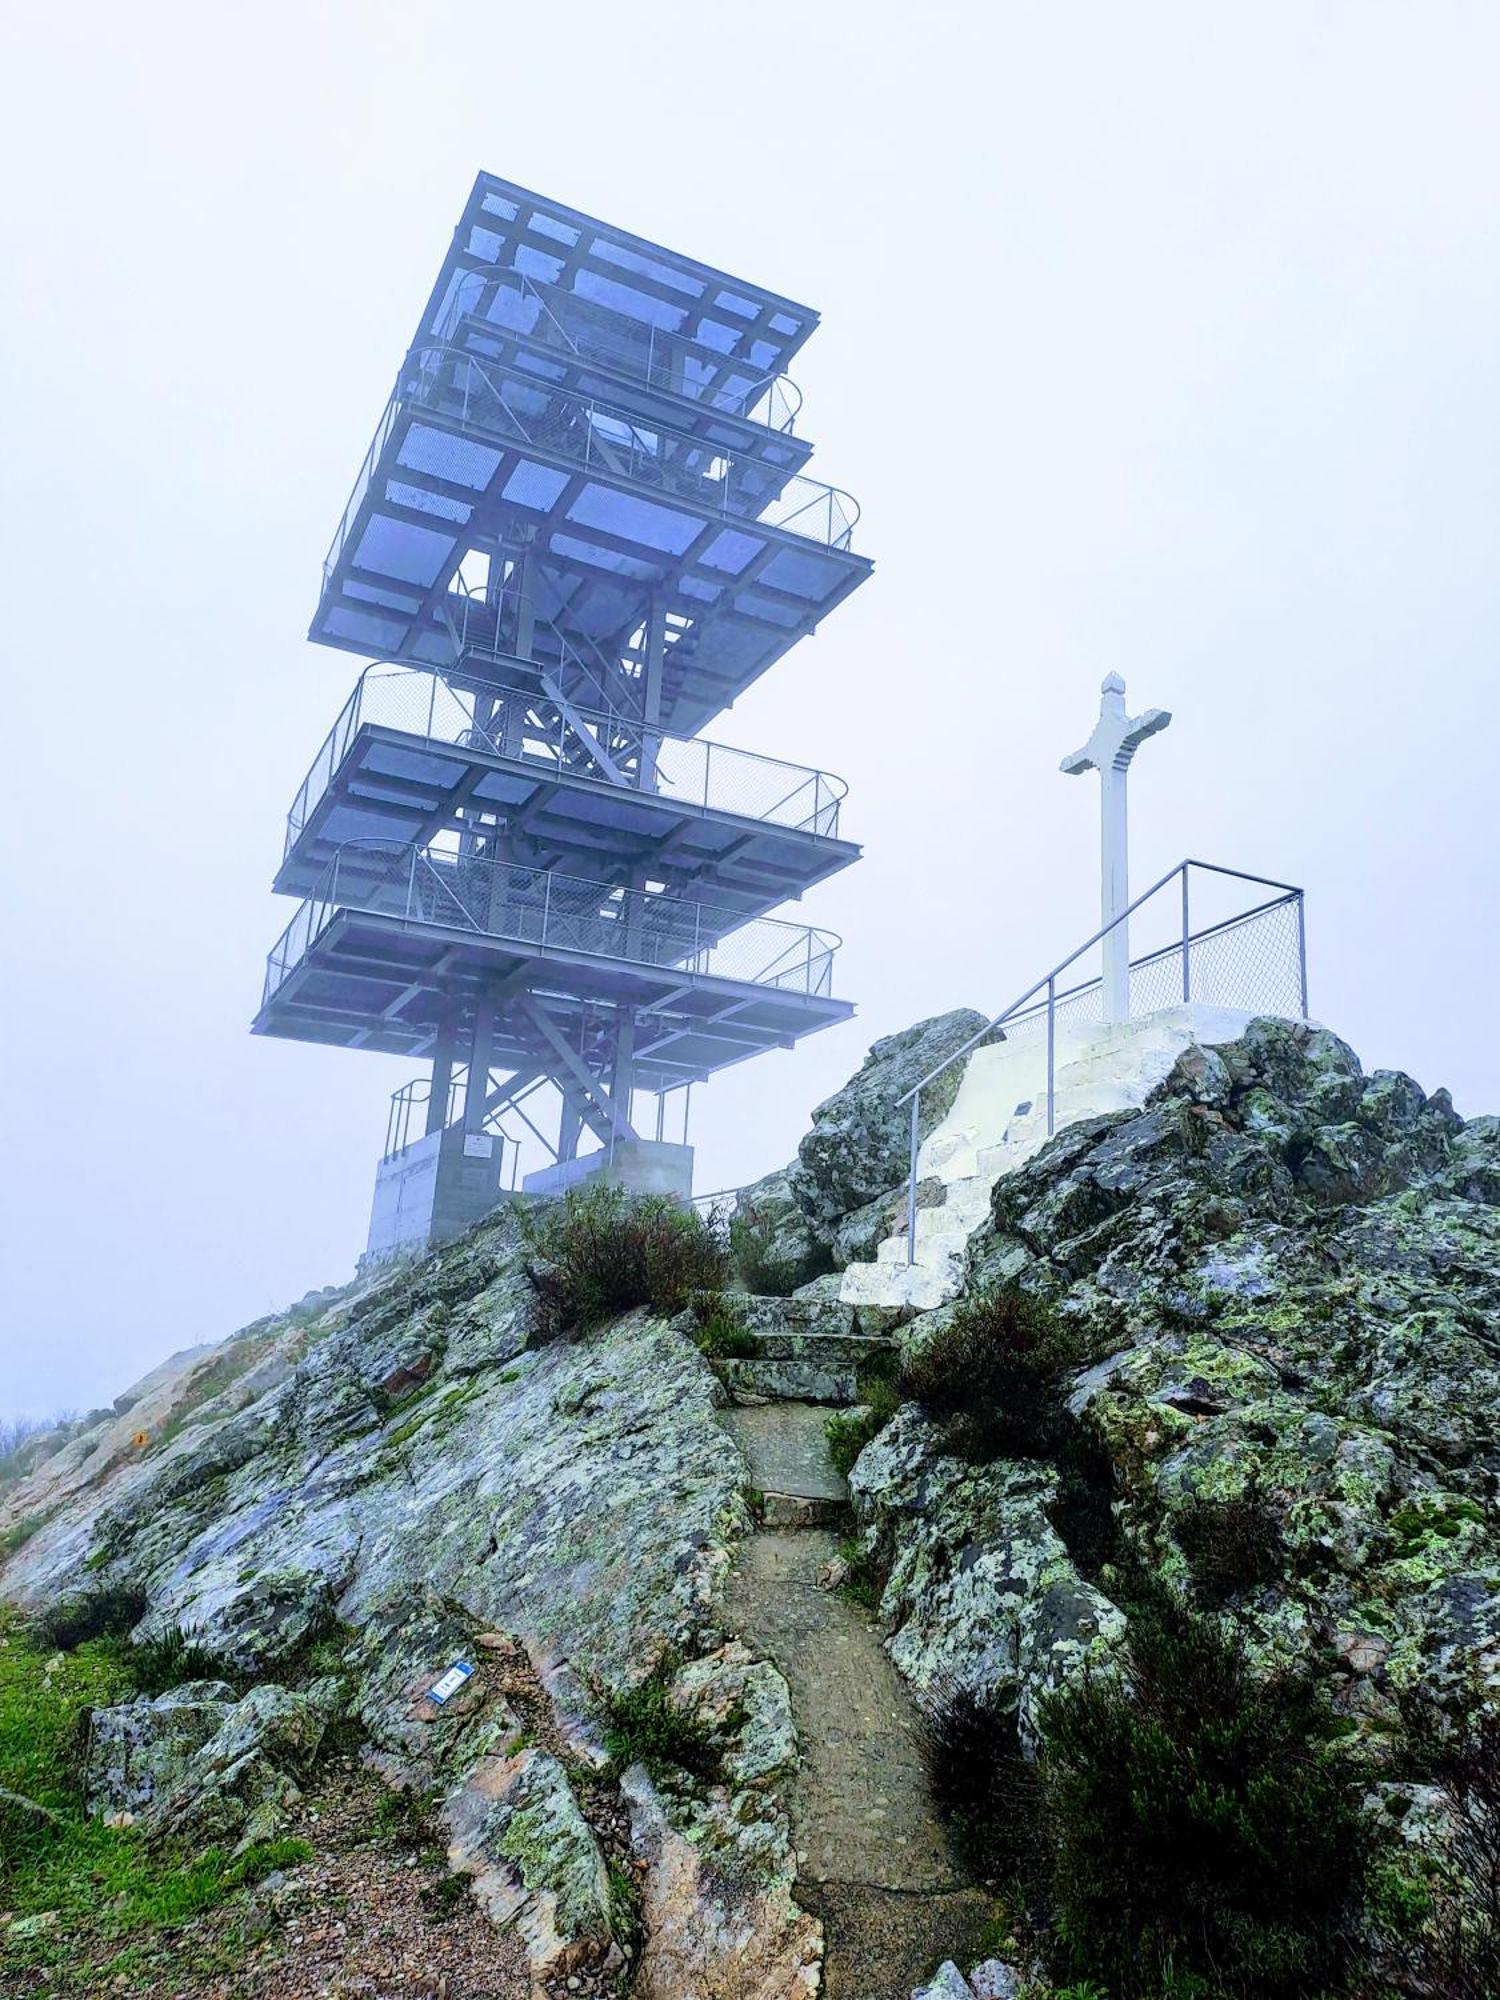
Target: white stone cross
(1116,738)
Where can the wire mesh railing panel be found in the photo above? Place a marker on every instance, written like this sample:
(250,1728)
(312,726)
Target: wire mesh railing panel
(600,744)
(553,316)
(1254,962)
(503,403)
(472,892)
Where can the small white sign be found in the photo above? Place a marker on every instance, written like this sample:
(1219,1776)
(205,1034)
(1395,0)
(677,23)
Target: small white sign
(445,1689)
(479,1146)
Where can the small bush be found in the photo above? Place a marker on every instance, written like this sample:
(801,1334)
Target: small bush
(758,1267)
(93,1614)
(175,1657)
(1231,1545)
(603,1251)
(984,1785)
(719,1331)
(994,1375)
(849,1431)
(864,1583)
(1206,1839)
(645,1726)
(1448,1946)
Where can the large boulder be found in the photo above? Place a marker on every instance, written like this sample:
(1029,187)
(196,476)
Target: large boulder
(859,1145)
(196,1760)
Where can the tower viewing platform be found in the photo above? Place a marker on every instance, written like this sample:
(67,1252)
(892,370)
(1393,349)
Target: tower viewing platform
(582,528)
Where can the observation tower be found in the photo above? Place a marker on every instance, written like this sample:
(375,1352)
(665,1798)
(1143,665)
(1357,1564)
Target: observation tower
(582,528)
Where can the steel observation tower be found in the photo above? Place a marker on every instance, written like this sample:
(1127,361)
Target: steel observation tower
(582,528)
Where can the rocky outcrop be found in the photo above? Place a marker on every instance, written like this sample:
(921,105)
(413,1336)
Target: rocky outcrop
(1284,1279)
(857,1150)
(1289,1275)
(197,1761)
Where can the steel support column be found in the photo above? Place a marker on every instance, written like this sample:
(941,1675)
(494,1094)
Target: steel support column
(442,1076)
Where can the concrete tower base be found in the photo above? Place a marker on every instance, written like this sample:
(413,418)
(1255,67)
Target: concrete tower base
(432,1190)
(645,1166)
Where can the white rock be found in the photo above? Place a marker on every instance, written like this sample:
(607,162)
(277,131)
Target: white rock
(999,1119)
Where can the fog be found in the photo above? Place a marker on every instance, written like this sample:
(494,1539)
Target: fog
(1158,339)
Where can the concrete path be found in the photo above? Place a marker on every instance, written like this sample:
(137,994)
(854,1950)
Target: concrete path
(874,1859)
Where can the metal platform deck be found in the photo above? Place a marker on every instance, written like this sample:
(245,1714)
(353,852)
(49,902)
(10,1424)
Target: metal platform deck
(590,791)
(381,962)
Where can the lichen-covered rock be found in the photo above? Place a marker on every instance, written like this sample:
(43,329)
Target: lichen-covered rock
(773,1238)
(515,1829)
(981,1592)
(196,1760)
(140,1751)
(745,1705)
(720,1918)
(858,1146)
(1291,1273)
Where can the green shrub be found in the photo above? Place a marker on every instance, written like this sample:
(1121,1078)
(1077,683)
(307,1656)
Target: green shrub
(602,1251)
(1231,1545)
(758,1267)
(175,1657)
(984,1785)
(1205,1837)
(864,1583)
(719,1331)
(849,1431)
(645,1726)
(994,1376)
(1442,1932)
(106,1613)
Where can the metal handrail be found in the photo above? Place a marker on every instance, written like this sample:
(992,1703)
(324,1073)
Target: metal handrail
(1182,948)
(537,728)
(664,351)
(551,911)
(738,486)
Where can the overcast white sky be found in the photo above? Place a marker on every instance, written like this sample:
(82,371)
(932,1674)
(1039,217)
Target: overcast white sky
(1159,338)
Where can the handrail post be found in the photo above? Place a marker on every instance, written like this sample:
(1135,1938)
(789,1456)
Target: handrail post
(1051,1055)
(911,1181)
(1302,953)
(411,882)
(546,906)
(1187,977)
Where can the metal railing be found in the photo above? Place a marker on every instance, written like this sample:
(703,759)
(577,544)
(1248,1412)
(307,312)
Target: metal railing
(661,360)
(554,734)
(407,1120)
(551,912)
(1255,960)
(494,401)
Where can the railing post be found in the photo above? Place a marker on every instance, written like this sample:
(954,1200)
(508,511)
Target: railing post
(697,936)
(1302,953)
(1051,1055)
(1187,976)
(546,906)
(911,1182)
(411,882)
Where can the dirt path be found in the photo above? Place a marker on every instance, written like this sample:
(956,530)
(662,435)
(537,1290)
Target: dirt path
(874,1859)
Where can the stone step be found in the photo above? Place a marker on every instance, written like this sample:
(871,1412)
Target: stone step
(801,1510)
(810,1371)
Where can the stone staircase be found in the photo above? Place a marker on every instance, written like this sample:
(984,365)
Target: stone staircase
(874,1863)
(998,1120)
(808,1348)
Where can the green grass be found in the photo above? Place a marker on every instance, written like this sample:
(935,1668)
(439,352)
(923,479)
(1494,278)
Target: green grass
(849,1431)
(107,1885)
(718,1330)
